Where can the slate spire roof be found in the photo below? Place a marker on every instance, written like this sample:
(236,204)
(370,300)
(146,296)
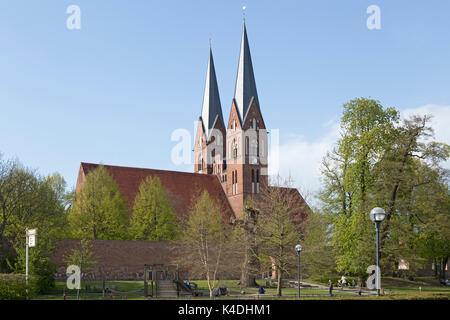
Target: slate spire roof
(245,81)
(211,109)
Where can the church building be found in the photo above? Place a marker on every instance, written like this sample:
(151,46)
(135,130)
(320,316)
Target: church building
(230,161)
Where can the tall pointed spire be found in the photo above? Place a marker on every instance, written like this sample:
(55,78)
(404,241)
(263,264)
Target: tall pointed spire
(245,81)
(211,110)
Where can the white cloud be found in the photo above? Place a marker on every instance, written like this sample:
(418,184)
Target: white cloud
(301,159)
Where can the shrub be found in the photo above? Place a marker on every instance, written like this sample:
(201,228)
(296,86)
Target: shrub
(13,287)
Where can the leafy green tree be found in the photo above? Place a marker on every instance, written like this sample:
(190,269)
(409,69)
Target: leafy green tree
(431,219)
(83,257)
(47,215)
(366,129)
(319,255)
(29,201)
(99,212)
(153,215)
(377,162)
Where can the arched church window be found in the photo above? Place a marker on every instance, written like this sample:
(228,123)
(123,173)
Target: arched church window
(257,181)
(253,180)
(235,149)
(257,148)
(246,145)
(236,188)
(233,183)
(253,147)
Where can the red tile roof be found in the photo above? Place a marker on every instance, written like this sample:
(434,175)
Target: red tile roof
(182,187)
(303,208)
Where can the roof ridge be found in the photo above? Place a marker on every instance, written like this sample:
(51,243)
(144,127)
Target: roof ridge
(149,169)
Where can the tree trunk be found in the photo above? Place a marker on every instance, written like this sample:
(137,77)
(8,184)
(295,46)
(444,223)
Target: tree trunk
(211,289)
(443,265)
(250,266)
(251,262)
(248,279)
(435,271)
(278,282)
(361,280)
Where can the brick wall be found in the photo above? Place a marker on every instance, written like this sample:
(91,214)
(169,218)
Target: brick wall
(124,260)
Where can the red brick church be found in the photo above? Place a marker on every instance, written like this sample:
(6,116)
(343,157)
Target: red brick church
(230,162)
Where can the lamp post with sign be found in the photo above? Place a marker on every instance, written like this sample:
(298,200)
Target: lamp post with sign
(31,242)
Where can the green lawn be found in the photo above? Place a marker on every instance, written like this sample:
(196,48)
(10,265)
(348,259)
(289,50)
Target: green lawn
(233,289)
(130,290)
(134,290)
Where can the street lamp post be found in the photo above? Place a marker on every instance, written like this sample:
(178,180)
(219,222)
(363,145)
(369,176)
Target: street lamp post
(298,248)
(377,215)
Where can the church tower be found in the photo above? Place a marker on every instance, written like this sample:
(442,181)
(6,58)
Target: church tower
(236,154)
(209,148)
(246,137)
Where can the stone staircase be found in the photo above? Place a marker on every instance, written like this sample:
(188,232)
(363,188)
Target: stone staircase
(166,289)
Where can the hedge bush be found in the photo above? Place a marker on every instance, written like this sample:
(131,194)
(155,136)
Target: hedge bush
(13,287)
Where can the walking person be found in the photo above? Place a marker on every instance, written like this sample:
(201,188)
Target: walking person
(330,287)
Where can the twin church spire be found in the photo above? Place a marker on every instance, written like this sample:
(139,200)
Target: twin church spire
(245,88)
(237,153)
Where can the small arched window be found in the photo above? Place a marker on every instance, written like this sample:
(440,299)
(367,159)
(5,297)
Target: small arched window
(253,147)
(233,182)
(253,180)
(235,149)
(246,145)
(257,181)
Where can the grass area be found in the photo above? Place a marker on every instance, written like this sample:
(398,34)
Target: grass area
(130,290)
(394,289)
(233,289)
(420,288)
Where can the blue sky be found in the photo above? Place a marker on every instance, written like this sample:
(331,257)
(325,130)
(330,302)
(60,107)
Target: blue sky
(115,90)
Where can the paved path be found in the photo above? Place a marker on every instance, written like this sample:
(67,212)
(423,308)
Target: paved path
(306,284)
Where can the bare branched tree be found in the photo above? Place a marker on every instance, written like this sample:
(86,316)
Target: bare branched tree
(279,227)
(205,250)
